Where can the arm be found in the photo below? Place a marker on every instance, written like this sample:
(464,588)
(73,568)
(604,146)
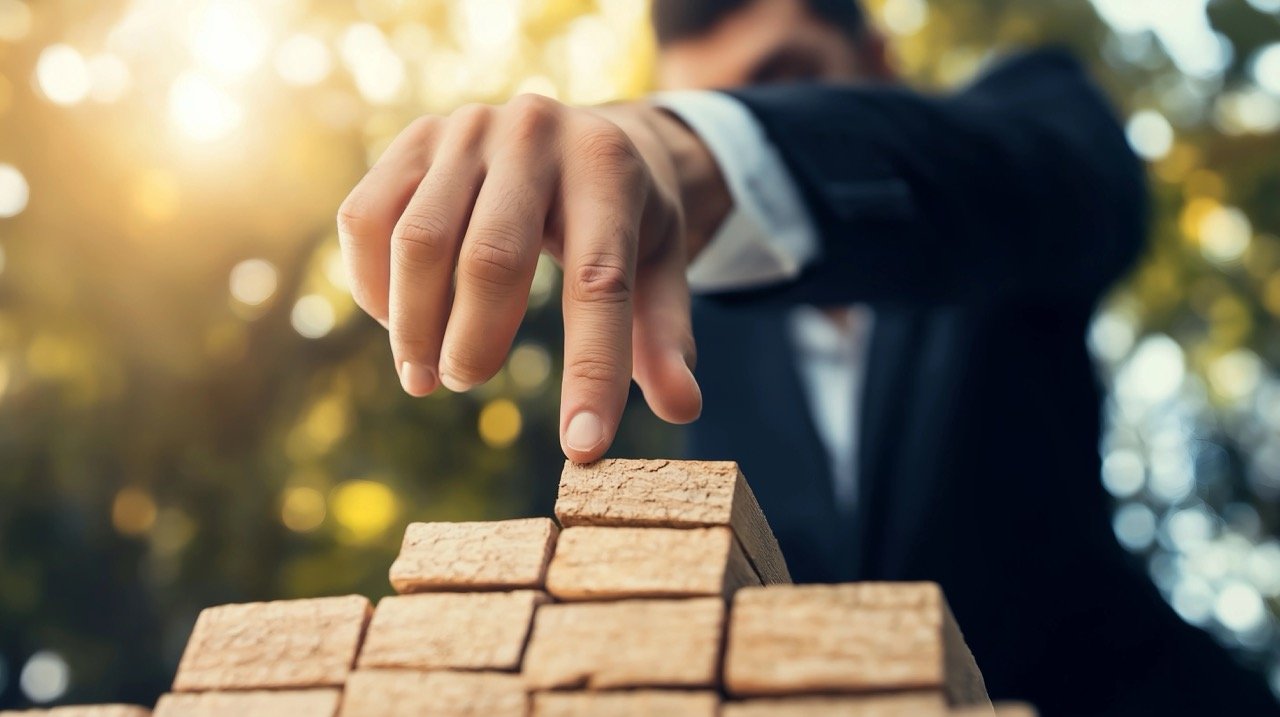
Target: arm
(1022,184)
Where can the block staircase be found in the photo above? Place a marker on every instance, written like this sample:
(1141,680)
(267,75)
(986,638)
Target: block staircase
(661,592)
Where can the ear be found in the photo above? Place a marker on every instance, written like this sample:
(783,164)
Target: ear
(873,56)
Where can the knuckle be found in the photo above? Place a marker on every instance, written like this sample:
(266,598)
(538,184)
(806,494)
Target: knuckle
(425,127)
(495,256)
(471,363)
(420,239)
(607,148)
(533,117)
(601,278)
(470,123)
(353,216)
(591,367)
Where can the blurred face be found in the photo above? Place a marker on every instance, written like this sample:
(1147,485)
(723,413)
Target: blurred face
(765,42)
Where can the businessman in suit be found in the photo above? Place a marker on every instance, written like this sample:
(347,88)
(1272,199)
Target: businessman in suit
(893,295)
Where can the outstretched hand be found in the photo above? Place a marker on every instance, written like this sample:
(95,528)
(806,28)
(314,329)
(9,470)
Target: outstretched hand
(442,236)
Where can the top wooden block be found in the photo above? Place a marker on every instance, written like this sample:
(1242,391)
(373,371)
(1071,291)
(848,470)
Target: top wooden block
(251,703)
(671,494)
(83,711)
(500,555)
(861,637)
(289,643)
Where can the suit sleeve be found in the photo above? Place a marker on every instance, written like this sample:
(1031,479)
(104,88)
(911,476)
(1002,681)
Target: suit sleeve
(1021,185)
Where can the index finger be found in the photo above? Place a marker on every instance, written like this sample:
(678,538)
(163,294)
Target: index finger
(603,197)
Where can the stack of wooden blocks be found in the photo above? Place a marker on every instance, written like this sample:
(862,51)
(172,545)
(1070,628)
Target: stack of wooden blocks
(662,592)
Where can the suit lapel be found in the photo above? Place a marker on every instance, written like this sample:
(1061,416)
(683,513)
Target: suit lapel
(891,363)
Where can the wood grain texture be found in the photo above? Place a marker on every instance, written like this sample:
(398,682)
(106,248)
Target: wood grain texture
(499,555)
(443,631)
(593,562)
(630,643)
(627,703)
(289,643)
(673,494)
(906,704)
(252,703)
(410,693)
(861,637)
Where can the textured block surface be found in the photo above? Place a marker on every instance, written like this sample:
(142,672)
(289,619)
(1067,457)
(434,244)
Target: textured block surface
(409,693)
(908,704)
(290,643)
(82,711)
(861,637)
(674,494)
(597,562)
(627,703)
(441,631)
(253,703)
(630,643)
(501,555)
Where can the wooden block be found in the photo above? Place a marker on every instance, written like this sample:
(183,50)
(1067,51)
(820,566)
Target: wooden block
(627,703)
(82,711)
(409,693)
(596,562)
(252,703)
(1001,709)
(672,494)
(630,643)
(443,631)
(860,637)
(499,555)
(289,643)
(906,704)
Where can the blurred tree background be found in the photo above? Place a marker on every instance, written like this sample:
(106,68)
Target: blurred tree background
(192,412)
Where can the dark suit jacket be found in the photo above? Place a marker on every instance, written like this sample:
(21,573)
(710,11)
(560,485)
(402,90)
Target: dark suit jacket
(982,227)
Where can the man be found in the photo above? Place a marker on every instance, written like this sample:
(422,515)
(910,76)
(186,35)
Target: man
(893,339)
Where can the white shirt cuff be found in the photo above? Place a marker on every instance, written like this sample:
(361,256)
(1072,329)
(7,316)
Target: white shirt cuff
(768,236)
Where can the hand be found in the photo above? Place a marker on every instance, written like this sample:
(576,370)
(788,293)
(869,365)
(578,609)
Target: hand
(442,236)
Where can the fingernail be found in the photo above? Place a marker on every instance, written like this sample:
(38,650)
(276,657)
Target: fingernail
(454,384)
(417,379)
(585,431)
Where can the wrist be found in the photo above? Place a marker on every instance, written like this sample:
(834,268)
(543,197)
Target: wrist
(703,191)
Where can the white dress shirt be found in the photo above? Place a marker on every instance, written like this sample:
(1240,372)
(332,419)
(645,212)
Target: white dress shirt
(769,237)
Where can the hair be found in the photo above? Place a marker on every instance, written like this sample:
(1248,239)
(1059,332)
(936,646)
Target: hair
(681,19)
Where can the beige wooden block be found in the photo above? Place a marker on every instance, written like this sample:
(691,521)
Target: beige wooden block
(630,643)
(252,703)
(442,631)
(82,711)
(859,637)
(906,704)
(674,494)
(289,643)
(498,555)
(410,693)
(1001,709)
(594,562)
(627,703)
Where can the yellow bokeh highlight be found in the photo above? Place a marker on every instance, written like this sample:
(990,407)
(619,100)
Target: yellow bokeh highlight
(364,509)
(133,511)
(500,423)
(302,509)
(156,196)
(1194,213)
(323,426)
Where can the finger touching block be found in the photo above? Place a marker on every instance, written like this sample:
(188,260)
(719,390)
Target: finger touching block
(288,643)
(252,703)
(608,563)
(671,494)
(861,637)
(410,693)
(627,703)
(629,643)
(500,555)
(451,631)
